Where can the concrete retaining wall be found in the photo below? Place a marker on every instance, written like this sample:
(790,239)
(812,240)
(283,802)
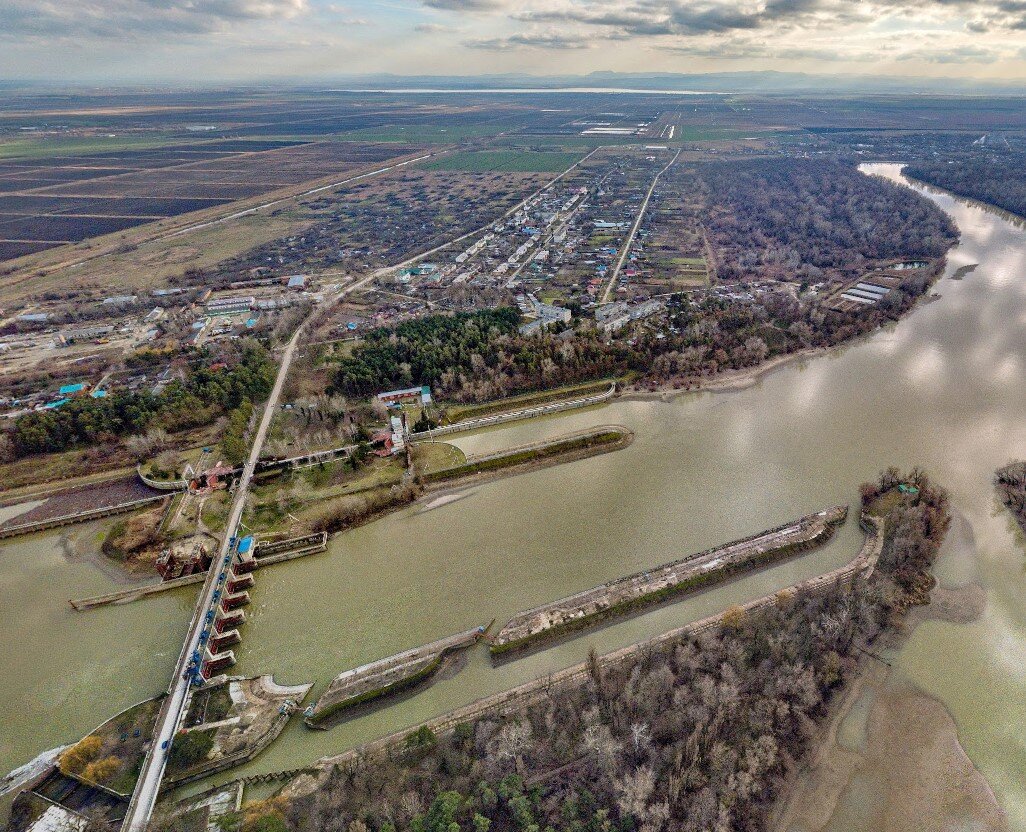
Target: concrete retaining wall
(78,517)
(650,586)
(515,415)
(162,485)
(388,675)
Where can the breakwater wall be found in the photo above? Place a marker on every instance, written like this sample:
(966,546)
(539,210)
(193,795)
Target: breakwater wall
(651,586)
(516,415)
(77,517)
(386,676)
(514,701)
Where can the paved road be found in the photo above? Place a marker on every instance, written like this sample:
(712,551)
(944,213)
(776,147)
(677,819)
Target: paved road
(140,809)
(634,231)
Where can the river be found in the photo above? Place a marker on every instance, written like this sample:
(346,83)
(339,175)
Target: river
(942,389)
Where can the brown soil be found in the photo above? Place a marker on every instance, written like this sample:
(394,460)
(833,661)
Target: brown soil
(85,498)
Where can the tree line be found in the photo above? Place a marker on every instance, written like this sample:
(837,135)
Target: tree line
(998,180)
(209,389)
(480,356)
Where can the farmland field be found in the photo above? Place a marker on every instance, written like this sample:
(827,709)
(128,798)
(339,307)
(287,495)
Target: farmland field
(74,197)
(71,229)
(437,133)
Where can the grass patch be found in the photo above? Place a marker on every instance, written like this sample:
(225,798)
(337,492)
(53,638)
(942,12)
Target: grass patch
(209,705)
(434,133)
(44,147)
(429,457)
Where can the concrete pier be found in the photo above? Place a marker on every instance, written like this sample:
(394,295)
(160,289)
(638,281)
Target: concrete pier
(232,601)
(690,573)
(386,676)
(237,584)
(229,620)
(226,639)
(214,663)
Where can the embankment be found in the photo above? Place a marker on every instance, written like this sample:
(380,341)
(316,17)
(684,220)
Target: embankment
(651,586)
(579,445)
(542,409)
(387,676)
(81,504)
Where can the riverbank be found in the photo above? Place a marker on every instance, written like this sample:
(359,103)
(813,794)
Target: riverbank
(889,739)
(381,501)
(1011,216)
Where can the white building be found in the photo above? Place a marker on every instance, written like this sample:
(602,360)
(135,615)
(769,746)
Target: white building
(612,316)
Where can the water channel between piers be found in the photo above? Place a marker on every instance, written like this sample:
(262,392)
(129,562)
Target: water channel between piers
(942,389)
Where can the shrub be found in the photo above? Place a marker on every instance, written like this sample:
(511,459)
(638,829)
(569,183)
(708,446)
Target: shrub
(191,747)
(100,771)
(76,758)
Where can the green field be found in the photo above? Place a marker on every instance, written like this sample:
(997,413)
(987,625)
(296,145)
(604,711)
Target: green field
(510,161)
(440,133)
(43,147)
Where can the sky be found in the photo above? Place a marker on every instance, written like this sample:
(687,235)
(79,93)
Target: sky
(221,41)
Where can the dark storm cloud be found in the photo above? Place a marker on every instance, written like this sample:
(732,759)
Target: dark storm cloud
(696,18)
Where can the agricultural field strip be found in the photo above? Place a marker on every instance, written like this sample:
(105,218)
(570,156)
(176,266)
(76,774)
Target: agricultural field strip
(199,226)
(301,195)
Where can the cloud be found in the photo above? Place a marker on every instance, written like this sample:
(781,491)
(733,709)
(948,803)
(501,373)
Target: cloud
(465,5)
(957,55)
(118,18)
(531,40)
(434,29)
(694,18)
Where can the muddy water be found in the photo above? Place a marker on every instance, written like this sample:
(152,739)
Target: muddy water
(942,389)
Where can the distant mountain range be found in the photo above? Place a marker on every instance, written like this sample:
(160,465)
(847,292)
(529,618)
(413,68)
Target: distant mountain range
(724,82)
